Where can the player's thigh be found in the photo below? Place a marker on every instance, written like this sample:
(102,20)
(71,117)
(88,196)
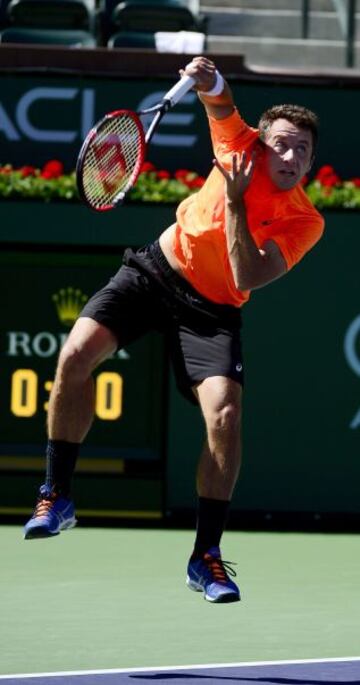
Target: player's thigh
(203,350)
(128,306)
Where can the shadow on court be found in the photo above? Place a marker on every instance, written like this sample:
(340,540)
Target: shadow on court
(322,672)
(279,681)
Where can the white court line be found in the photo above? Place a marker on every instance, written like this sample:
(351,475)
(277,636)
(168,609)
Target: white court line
(181,668)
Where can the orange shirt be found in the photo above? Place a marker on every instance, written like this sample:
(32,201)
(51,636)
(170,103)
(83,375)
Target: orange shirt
(285,216)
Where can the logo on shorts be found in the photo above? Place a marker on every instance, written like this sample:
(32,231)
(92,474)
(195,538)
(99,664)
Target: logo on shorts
(69,303)
(238,367)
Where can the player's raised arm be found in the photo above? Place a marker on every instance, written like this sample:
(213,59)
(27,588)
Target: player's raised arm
(251,267)
(214,92)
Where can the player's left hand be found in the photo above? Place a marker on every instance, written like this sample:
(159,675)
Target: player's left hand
(239,177)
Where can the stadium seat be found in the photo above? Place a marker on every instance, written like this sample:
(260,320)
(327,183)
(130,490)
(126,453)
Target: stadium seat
(148,16)
(132,39)
(4,19)
(154,15)
(52,14)
(71,39)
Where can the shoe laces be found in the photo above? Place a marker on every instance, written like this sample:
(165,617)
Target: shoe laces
(219,568)
(45,502)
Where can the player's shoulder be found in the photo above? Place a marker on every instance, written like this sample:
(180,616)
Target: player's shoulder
(231,127)
(305,208)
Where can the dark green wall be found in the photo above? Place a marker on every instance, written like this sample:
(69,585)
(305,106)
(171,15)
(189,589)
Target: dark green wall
(73,224)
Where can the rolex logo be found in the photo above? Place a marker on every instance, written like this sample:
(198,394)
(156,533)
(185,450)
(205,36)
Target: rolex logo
(69,303)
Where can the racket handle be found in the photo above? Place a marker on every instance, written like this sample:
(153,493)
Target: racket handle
(179,90)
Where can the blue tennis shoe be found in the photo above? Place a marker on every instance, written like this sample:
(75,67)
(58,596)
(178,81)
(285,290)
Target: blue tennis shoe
(210,575)
(52,514)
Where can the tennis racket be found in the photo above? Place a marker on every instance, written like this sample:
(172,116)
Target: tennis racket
(114,150)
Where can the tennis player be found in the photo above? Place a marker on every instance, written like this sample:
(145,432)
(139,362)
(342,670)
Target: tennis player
(249,224)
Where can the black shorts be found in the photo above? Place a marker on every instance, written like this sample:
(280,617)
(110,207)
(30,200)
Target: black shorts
(147,294)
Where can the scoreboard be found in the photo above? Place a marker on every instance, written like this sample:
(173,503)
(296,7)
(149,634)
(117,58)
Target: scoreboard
(42,293)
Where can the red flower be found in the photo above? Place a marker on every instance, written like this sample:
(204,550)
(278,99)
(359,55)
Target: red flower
(327,176)
(325,170)
(147,166)
(52,169)
(355,181)
(27,171)
(197,182)
(330,181)
(163,174)
(180,174)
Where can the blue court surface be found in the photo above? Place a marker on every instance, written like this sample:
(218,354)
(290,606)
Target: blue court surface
(307,672)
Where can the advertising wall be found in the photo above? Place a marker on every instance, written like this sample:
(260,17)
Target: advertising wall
(44,117)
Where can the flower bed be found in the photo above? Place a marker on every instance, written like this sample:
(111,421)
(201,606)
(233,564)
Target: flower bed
(326,190)
(51,183)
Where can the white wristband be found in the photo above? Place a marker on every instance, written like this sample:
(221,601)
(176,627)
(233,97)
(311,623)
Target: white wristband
(217,89)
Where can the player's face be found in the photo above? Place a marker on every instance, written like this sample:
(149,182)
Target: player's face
(289,151)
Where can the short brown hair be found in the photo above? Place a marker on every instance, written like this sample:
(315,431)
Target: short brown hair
(296,114)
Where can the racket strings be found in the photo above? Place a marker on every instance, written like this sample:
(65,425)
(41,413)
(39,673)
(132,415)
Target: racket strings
(113,160)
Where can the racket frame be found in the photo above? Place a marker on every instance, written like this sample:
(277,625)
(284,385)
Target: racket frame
(168,101)
(93,133)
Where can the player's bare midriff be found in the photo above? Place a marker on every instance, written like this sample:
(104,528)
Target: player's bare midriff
(166,241)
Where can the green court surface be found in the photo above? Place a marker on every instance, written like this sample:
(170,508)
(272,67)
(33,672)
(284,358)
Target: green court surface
(116,598)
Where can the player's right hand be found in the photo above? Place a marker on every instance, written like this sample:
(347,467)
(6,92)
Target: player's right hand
(203,70)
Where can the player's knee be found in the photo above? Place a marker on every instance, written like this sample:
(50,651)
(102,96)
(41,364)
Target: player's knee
(225,418)
(74,361)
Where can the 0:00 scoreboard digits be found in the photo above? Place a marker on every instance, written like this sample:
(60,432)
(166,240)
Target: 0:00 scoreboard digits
(24,394)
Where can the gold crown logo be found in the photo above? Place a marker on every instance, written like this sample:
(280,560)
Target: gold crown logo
(69,303)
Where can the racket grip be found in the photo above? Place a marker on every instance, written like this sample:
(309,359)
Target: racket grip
(179,90)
